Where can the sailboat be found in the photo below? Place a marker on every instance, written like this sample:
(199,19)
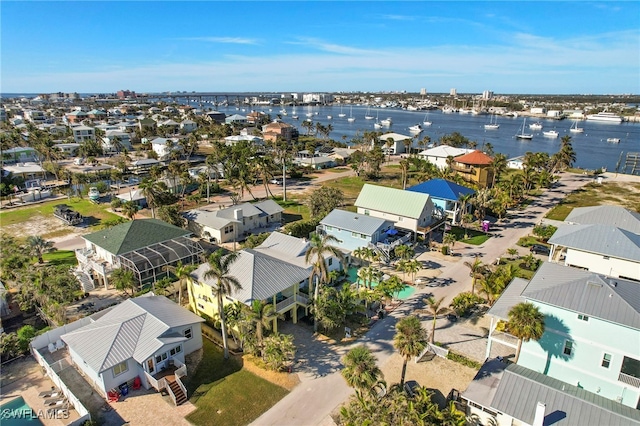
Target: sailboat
(493,124)
(341,115)
(377,124)
(575,129)
(522,134)
(368,115)
(426,121)
(351,118)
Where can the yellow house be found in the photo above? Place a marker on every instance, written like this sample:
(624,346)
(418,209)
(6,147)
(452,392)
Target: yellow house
(475,167)
(274,272)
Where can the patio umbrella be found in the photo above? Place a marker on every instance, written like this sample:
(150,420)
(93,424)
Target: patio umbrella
(392,232)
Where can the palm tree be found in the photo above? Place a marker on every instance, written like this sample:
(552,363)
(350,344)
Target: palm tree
(412,267)
(410,340)
(434,309)
(498,166)
(225,284)
(38,246)
(449,240)
(183,274)
(318,248)
(129,209)
(152,191)
(360,370)
(526,322)
(123,280)
(261,313)
(477,270)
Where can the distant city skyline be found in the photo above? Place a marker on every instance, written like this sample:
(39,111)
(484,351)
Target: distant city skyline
(504,47)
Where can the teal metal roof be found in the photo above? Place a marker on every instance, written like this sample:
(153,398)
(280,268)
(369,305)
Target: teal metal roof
(391,200)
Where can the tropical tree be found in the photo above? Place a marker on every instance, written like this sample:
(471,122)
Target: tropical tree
(318,248)
(477,270)
(183,274)
(123,280)
(435,309)
(129,209)
(38,246)
(261,314)
(410,340)
(152,191)
(360,370)
(224,285)
(498,166)
(278,351)
(412,267)
(449,240)
(526,322)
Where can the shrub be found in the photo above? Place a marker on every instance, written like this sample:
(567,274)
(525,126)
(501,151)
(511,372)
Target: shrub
(544,232)
(464,302)
(461,359)
(301,228)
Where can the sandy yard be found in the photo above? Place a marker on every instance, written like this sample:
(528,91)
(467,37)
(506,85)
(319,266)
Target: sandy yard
(41,225)
(439,375)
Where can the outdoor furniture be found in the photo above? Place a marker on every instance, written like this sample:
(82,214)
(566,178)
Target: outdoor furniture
(113,395)
(59,344)
(59,412)
(53,392)
(52,348)
(136,383)
(52,402)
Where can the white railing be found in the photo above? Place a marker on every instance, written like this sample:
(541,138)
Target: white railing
(286,303)
(182,387)
(630,380)
(156,384)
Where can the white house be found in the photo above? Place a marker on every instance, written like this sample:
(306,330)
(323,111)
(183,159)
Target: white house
(438,155)
(235,222)
(188,126)
(140,337)
(602,239)
(516,162)
(397,146)
(108,141)
(164,146)
(83,133)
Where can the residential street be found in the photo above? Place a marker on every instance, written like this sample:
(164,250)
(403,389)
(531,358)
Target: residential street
(322,389)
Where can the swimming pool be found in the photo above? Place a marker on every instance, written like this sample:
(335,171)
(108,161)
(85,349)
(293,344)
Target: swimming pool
(405,293)
(18,413)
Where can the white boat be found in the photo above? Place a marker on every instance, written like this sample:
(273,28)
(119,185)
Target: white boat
(605,116)
(415,129)
(329,117)
(94,194)
(536,126)
(613,140)
(341,115)
(426,121)
(575,129)
(351,118)
(295,117)
(377,125)
(387,122)
(368,115)
(550,134)
(522,134)
(493,124)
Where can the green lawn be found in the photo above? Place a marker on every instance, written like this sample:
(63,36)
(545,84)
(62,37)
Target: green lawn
(223,387)
(61,257)
(95,213)
(475,237)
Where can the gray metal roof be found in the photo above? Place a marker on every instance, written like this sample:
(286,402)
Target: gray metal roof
(610,299)
(485,384)
(133,329)
(355,222)
(606,215)
(286,248)
(261,276)
(606,240)
(520,389)
(217,219)
(511,296)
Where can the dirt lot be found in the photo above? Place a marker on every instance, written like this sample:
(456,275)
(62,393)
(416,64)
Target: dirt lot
(43,225)
(439,375)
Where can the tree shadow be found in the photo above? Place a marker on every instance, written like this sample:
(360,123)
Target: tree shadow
(553,343)
(290,217)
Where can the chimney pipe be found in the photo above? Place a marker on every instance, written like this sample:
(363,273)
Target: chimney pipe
(538,420)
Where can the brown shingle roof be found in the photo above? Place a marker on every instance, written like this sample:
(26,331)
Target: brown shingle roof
(476,158)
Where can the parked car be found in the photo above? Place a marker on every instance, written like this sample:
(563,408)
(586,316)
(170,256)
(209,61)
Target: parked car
(539,249)
(275,181)
(411,387)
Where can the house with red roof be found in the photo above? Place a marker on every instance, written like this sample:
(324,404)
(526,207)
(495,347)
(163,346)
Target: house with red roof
(475,168)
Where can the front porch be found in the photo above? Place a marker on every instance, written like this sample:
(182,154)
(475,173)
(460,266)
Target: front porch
(289,304)
(169,378)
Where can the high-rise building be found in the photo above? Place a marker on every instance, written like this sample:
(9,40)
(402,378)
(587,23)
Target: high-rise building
(453,92)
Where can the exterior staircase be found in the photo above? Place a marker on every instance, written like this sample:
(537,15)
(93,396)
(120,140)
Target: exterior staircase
(84,277)
(181,398)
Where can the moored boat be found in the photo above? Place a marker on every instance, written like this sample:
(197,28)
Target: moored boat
(575,129)
(415,129)
(536,126)
(608,117)
(386,122)
(522,134)
(94,194)
(550,134)
(613,140)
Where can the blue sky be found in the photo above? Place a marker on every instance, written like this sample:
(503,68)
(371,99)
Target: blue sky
(503,46)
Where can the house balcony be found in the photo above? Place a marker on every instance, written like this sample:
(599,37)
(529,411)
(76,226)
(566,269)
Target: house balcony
(463,169)
(170,379)
(629,380)
(286,304)
(391,242)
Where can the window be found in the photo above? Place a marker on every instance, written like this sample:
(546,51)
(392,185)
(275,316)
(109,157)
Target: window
(188,333)
(178,349)
(330,261)
(120,368)
(568,347)
(606,360)
(400,218)
(354,234)
(583,317)
(605,257)
(366,212)
(172,351)
(329,228)
(160,358)
(364,237)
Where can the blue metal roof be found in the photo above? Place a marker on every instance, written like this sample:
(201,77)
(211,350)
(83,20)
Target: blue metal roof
(441,188)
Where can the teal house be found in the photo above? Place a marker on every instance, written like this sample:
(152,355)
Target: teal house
(446,196)
(355,230)
(585,369)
